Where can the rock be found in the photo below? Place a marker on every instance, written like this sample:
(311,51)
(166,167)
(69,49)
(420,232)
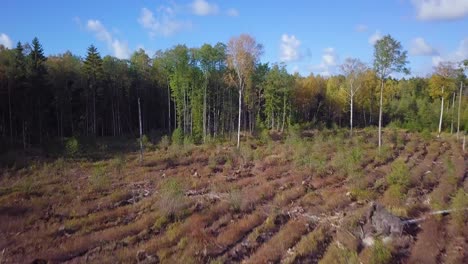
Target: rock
(368,241)
(380,222)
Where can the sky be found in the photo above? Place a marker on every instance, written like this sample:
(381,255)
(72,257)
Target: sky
(308,36)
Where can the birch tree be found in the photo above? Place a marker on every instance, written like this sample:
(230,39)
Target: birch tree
(389,57)
(242,54)
(462,77)
(354,71)
(441,86)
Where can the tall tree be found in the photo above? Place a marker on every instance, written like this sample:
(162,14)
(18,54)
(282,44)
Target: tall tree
(278,85)
(354,71)
(206,55)
(462,78)
(389,57)
(242,54)
(442,85)
(93,71)
(37,72)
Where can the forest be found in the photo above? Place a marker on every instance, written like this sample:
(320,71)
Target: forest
(195,94)
(210,155)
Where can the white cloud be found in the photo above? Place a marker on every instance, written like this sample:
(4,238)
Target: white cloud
(164,25)
(440,9)
(375,37)
(461,53)
(232,12)
(119,48)
(289,48)
(419,47)
(5,40)
(295,69)
(204,8)
(361,28)
(328,63)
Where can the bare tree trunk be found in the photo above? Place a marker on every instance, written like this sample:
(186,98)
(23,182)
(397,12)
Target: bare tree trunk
(185,112)
(463,147)
(239,119)
(380,113)
(453,113)
(141,131)
(284,114)
(94,111)
(9,112)
(351,115)
(441,112)
(204,111)
(24,135)
(169,105)
(459,107)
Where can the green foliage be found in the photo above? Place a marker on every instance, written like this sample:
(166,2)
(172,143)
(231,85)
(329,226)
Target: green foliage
(146,142)
(118,163)
(164,143)
(265,136)
(178,136)
(394,196)
(399,174)
(172,200)
(380,254)
(235,200)
(277,96)
(339,255)
(460,205)
(72,147)
(99,180)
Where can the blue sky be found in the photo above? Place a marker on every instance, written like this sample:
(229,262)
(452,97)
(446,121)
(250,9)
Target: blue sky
(309,36)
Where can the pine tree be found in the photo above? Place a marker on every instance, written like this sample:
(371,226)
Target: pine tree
(93,71)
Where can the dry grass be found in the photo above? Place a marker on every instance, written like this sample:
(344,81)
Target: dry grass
(278,244)
(107,210)
(236,231)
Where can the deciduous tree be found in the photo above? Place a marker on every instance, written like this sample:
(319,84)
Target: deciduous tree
(389,57)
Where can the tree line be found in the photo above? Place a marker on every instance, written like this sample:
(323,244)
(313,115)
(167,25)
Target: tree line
(215,91)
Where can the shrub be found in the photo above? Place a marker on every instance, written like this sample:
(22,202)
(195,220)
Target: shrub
(459,204)
(310,243)
(72,147)
(164,143)
(265,136)
(384,155)
(426,134)
(146,142)
(399,174)
(394,196)
(339,255)
(188,140)
(359,194)
(235,200)
(172,199)
(99,179)
(294,135)
(118,163)
(451,175)
(380,254)
(246,153)
(178,136)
